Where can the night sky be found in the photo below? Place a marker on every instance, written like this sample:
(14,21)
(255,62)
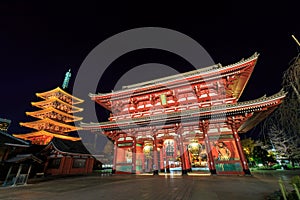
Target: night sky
(40,42)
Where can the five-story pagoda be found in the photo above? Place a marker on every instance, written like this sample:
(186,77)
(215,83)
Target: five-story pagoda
(54,118)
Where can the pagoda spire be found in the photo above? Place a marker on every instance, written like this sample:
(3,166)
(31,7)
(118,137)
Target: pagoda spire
(66,80)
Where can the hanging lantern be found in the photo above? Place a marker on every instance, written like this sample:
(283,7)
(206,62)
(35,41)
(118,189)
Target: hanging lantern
(148,149)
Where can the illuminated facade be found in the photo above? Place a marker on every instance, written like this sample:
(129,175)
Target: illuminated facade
(189,122)
(54,118)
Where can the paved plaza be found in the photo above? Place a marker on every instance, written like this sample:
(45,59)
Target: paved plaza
(150,187)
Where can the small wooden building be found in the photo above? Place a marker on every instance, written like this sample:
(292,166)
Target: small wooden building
(15,163)
(20,168)
(67,157)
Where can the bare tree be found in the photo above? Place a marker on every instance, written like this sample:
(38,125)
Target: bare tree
(282,128)
(291,107)
(285,146)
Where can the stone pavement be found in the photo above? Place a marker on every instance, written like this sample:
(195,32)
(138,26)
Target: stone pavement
(148,187)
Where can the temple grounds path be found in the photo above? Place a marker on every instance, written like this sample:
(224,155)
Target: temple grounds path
(151,187)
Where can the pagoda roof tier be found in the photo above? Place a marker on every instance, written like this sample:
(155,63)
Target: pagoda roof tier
(242,69)
(49,125)
(44,134)
(58,104)
(54,114)
(61,94)
(258,108)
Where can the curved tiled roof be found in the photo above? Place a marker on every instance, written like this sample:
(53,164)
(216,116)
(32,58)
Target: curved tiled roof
(194,114)
(6,138)
(168,80)
(50,110)
(45,133)
(69,147)
(50,121)
(58,89)
(40,104)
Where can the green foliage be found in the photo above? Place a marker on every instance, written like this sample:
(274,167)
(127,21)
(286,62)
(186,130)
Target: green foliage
(255,154)
(248,147)
(296,180)
(292,195)
(276,166)
(275,196)
(262,156)
(278,196)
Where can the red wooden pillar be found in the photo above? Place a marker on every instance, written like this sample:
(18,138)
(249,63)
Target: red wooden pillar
(187,160)
(133,170)
(155,156)
(143,159)
(87,165)
(46,166)
(70,163)
(115,157)
(90,166)
(161,158)
(62,166)
(240,150)
(182,150)
(211,162)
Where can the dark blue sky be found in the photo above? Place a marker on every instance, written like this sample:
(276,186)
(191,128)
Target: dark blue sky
(40,42)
